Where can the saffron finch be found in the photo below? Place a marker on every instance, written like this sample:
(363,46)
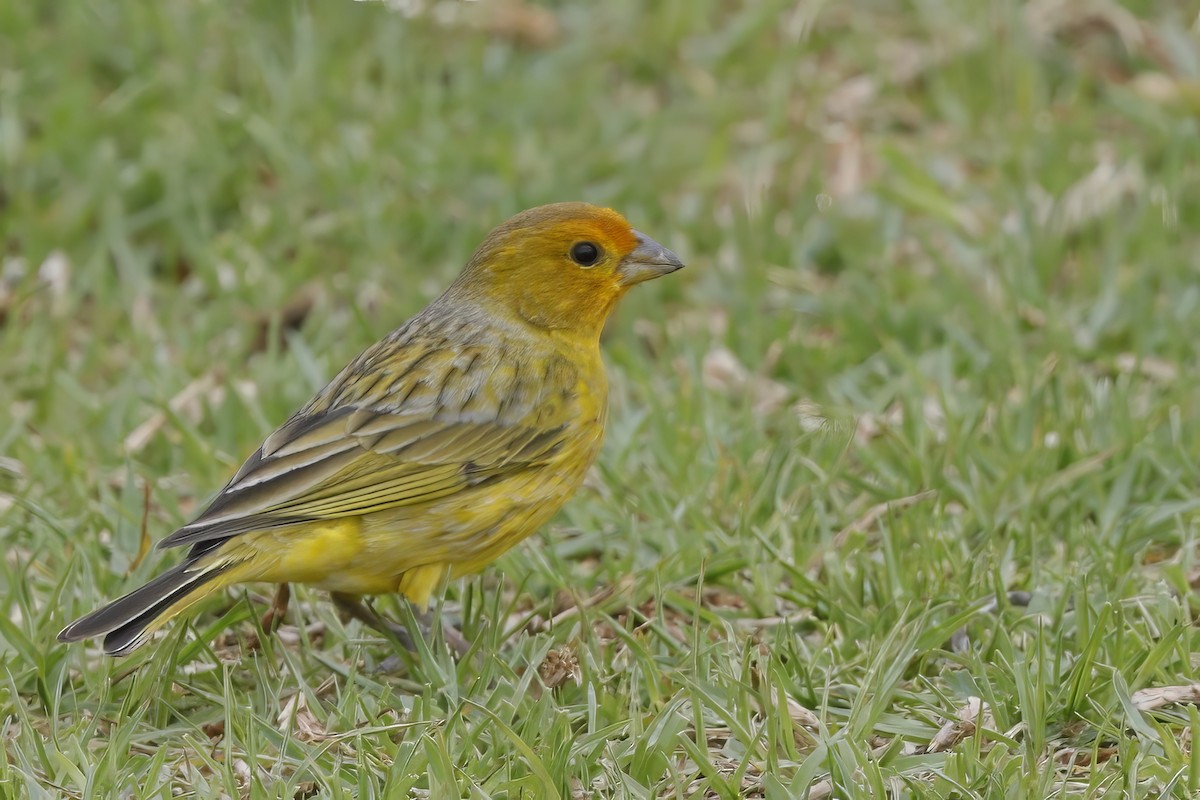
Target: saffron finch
(435,450)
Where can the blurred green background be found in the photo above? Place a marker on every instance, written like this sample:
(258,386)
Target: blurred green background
(936,344)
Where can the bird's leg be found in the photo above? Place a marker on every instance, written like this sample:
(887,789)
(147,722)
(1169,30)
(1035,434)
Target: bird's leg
(279,606)
(453,636)
(360,611)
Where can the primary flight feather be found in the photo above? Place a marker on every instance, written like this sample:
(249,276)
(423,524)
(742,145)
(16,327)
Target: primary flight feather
(437,448)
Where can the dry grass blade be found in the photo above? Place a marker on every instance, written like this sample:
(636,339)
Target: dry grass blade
(622,588)
(1096,194)
(805,723)
(723,372)
(877,511)
(1161,696)
(144,541)
(867,521)
(186,399)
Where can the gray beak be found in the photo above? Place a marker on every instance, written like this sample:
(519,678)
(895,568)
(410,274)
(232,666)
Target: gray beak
(648,261)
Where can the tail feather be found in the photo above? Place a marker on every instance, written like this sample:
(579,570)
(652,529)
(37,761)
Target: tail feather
(126,622)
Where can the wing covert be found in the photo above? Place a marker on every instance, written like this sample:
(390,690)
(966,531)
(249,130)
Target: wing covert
(360,462)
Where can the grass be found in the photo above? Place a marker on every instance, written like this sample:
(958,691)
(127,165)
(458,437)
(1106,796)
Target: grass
(936,344)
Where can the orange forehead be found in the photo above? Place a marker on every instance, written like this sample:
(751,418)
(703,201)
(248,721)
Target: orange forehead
(572,221)
(613,228)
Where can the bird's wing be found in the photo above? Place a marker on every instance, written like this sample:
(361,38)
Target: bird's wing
(336,460)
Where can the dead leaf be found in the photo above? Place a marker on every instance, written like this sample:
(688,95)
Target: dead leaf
(820,790)
(972,716)
(804,725)
(522,22)
(802,716)
(1083,756)
(1073,18)
(290,635)
(1148,366)
(871,425)
(749,788)
(723,372)
(296,715)
(293,314)
(720,597)
(851,165)
(242,770)
(1156,87)
(515,20)
(850,100)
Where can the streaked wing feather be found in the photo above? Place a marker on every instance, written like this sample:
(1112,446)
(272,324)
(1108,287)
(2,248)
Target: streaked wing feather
(357,461)
(244,499)
(402,434)
(416,486)
(288,461)
(331,428)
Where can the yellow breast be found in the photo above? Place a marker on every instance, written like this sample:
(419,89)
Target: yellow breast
(411,549)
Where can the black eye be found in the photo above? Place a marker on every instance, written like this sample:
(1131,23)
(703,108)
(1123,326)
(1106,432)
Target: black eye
(585,254)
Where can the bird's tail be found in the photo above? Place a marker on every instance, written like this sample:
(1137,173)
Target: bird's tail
(125,623)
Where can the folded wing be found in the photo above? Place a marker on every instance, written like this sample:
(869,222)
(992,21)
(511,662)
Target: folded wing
(351,461)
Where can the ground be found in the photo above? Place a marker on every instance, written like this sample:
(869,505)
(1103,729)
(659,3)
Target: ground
(900,493)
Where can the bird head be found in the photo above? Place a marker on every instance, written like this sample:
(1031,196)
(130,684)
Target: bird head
(563,266)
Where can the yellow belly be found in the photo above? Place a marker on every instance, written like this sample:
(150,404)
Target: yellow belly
(411,549)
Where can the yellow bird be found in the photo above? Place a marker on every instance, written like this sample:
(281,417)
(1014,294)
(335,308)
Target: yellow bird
(436,449)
